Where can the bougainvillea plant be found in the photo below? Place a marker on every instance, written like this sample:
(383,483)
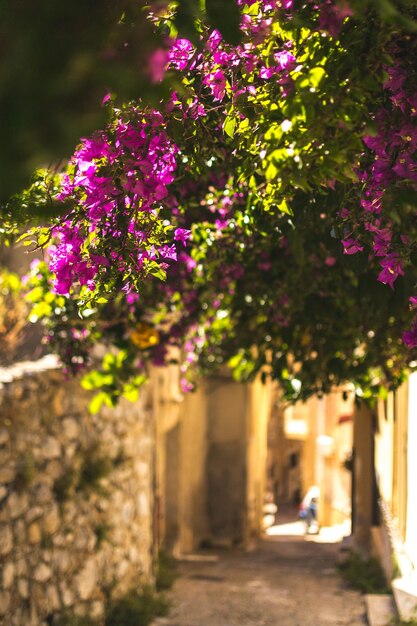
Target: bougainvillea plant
(261,217)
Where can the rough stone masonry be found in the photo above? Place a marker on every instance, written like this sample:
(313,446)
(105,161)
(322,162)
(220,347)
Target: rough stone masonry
(75,496)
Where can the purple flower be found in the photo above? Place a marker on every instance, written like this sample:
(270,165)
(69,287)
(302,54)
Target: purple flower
(132,297)
(180,54)
(157,64)
(214,40)
(196,109)
(185,385)
(410,336)
(267,72)
(332,16)
(391,268)
(168,252)
(217,84)
(406,166)
(106,99)
(285,60)
(396,78)
(351,246)
(181,234)
(344,213)
(189,262)
(382,239)
(117,175)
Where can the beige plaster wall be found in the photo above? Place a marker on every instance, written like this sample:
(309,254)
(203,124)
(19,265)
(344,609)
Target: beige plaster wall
(193,485)
(226,462)
(363,467)
(411,526)
(261,399)
(211,460)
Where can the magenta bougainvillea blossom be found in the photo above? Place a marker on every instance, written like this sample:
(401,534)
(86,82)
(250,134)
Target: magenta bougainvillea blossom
(391,168)
(351,246)
(268,166)
(116,184)
(118,180)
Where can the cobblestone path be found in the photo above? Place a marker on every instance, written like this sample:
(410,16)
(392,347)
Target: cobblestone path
(285,581)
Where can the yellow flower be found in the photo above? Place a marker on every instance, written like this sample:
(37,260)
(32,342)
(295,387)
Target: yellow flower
(144,336)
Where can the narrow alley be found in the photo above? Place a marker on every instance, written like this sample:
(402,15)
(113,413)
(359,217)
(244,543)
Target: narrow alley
(287,580)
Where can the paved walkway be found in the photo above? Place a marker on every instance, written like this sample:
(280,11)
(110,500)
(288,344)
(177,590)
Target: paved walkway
(288,580)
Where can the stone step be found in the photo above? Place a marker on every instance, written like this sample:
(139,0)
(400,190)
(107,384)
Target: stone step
(380,609)
(405,594)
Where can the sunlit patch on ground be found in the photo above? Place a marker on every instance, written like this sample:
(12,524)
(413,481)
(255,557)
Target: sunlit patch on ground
(289,529)
(327,534)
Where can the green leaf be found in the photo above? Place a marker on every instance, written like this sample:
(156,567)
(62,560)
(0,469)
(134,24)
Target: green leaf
(229,126)
(44,235)
(96,379)
(97,402)
(252,10)
(131,393)
(157,271)
(40,310)
(313,79)
(283,206)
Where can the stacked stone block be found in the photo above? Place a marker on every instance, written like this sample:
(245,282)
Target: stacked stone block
(75,497)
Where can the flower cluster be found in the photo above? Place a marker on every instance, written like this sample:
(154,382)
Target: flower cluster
(332,15)
(115,188)
(236,168)
(118,228)
(232,72)
(390,172)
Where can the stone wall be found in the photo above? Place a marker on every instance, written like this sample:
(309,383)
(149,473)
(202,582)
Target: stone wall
(76,506)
